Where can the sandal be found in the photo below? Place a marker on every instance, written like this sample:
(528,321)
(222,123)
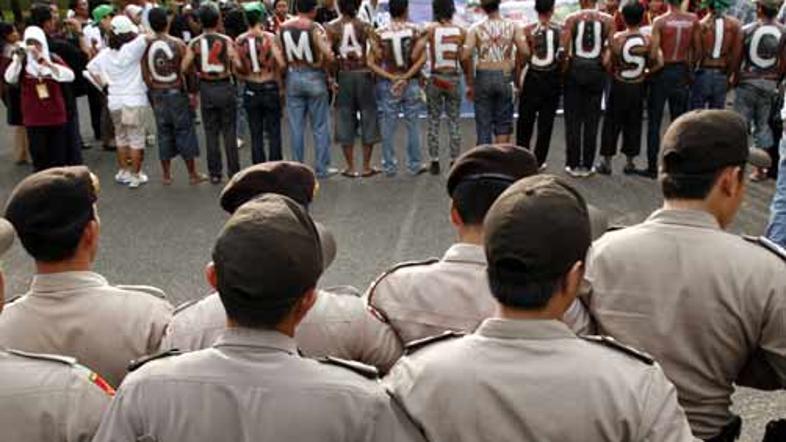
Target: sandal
(198,178)
(371,172)
(350,173)
(166,181)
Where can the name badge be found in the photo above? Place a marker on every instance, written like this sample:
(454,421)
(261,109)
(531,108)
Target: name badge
(42,91)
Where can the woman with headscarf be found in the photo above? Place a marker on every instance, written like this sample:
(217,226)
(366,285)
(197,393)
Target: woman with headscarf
(119,69)
(39,75)
(9,42)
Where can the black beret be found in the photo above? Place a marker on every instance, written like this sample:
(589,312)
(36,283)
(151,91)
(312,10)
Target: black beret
(505,162)
(288,178)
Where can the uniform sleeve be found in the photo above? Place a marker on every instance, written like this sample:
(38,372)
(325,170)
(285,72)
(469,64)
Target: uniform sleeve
(121,422)
(663,420)
(392,424)
(380,346)
(160,318)
(773,334)
(88,401)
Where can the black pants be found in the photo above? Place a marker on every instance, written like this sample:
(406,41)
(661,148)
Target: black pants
(583,93)
(73,152)
(48,146)
(263,108)
(219,117)
(623,115)
(538,101)
(669,85)
(95,100)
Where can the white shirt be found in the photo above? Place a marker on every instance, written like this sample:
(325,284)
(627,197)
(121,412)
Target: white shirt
(92,37)
(121,70)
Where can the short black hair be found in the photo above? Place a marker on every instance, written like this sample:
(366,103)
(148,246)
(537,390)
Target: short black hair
(632,12)
(235,22)
(691,187)
(474,198)
(305,6)
(40,14)
(490,6)
(208,15)
(443,9)
(510,289)
(157,17)
(544,6)
(254,17)
(767,11)
(117,41)
(348,7)
(6,29)
(398,8)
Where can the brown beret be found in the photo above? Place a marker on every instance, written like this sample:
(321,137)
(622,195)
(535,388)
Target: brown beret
(288,178)
(506,162)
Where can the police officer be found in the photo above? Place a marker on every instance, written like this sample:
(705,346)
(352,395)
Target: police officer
(702,301)
(168,91)
(719,40)
(628,59)
(350,39)
(763,63)
(307,51)
(542,86)
(69,309)
(267,261)
(37,387)
(339,324)
(261,64)
(444,40)
(425,298)
(584,36)
(212,55)
(522,367)
(672,33)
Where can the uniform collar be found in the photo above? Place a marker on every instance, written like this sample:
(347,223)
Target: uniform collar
(537,329)
(65,281)
(685,217)
(256,338)
(465,252)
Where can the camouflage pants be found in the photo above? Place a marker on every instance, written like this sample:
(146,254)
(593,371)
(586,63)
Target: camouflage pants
(440,99)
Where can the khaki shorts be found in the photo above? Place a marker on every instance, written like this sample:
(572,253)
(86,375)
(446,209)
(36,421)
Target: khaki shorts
(129,127)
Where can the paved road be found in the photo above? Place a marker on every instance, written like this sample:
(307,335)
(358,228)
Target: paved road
(163,236)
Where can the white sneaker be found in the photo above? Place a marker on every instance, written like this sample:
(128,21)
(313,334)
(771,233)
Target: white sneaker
(143,179)
(240,143)
(575,172)
(134,182)
(122,176)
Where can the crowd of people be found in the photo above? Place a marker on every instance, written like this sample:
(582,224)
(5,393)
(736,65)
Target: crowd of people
(530,327)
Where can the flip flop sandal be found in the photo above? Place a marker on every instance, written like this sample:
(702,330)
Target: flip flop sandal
(372,172)
(349,174)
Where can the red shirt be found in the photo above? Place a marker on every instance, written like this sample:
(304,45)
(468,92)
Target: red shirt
(50,111)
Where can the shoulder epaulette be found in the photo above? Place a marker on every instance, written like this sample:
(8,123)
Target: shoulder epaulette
(185,305)
(68,360)
(150,290)
(398,266)
(364,370)
(767,244)
(417,344)
(135,364)
(615,227)
(610,342)
(345,290)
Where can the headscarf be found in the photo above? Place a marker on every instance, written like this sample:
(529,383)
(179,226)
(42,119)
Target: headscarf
(32,67)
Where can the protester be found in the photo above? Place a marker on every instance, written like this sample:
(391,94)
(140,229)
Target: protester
(118,68)
(267,261)
(11,95)
(542,88)
(720,42)
(306,49)
(356,104)
(169,90)
(706,340)
(520,366)
(398,89)
(69,309)
(494,40)
(279,15)
(212,56)
(39,76)
(444,41)
(629,61)
(233,18)
(261,64)
(327,12)
(94,36)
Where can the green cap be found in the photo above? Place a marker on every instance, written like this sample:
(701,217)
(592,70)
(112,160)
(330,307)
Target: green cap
(256,7)
(100,12)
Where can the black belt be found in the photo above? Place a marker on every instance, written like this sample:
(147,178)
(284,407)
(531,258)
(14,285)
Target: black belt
(216,81)
(170,91)
(730,432)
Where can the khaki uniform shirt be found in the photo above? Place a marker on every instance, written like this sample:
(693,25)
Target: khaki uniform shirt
(47,398)
(535,380)
(79,314)
(698,299)
(423,299)
(337,325)
(251,386)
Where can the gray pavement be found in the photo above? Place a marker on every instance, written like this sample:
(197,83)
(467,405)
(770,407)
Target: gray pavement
(163,235)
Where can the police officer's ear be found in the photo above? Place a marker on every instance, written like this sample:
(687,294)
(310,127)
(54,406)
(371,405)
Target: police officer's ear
(304,304)
(571,282)
(210,275)
(732,180)
(455,217)
(90,235)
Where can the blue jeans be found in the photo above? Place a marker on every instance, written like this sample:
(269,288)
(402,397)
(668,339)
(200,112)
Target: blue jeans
(754,103)
(709,89)
(670,85)
(307,95)
(242,117)
(776,230)
(493,105)
(390,106)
